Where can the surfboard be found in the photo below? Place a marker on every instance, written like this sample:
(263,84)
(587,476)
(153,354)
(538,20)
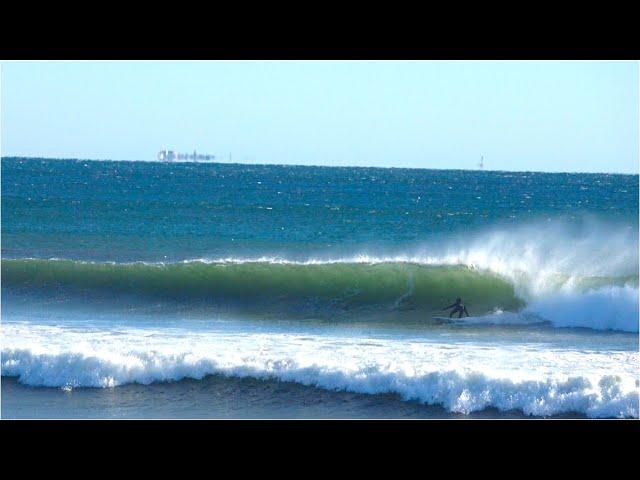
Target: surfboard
(441,320)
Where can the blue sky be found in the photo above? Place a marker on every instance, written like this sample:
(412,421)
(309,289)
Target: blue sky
(521,115)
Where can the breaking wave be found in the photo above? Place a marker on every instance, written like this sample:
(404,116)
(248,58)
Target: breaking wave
(586,277)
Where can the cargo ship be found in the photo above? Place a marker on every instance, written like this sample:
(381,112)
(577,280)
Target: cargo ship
(173,156)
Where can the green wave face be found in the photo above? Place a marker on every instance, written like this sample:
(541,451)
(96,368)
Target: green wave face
(342,286)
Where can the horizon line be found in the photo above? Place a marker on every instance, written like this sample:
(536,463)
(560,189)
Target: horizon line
(3,157)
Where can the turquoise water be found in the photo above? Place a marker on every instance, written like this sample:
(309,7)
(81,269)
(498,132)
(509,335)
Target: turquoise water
(119,273)
(129,211)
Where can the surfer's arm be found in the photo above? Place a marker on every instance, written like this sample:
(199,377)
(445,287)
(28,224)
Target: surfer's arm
(447,308)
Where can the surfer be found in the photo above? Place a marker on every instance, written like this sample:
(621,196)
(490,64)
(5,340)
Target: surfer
(458,306)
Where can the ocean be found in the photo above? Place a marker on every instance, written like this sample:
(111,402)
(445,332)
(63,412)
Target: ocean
(136,289)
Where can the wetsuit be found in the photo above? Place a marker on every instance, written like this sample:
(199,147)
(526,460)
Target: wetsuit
(458,308)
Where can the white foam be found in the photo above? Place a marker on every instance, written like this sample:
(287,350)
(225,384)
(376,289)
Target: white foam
(500,317)
(607,308)
(462,377)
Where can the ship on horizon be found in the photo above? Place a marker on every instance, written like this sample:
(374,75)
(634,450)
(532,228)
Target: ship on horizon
(172,156)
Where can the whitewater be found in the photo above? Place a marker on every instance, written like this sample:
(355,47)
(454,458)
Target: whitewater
(460,374)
